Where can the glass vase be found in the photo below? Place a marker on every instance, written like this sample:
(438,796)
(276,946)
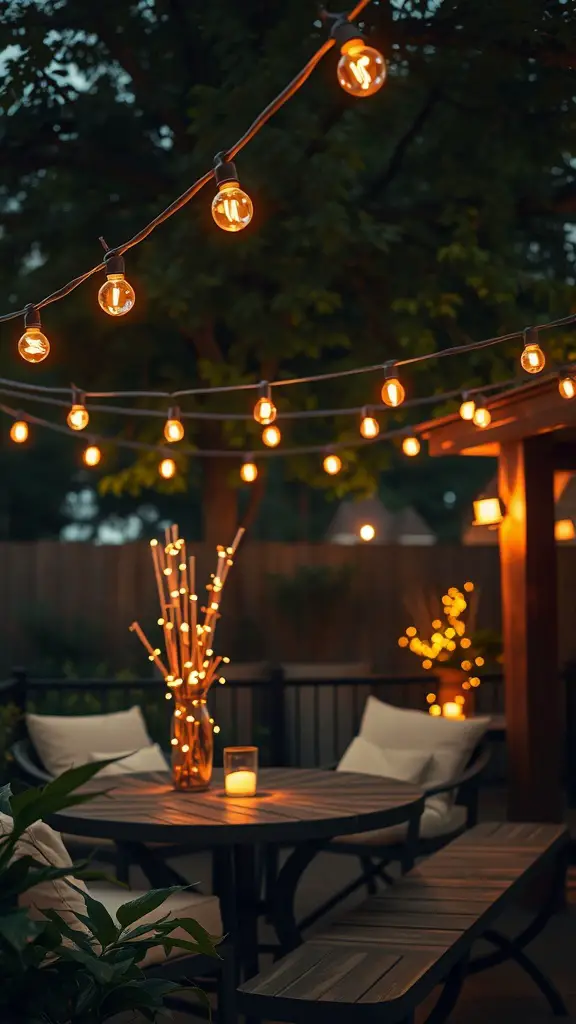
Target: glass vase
(192,744)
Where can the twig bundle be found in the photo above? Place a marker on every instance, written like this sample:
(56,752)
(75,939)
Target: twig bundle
(190,666)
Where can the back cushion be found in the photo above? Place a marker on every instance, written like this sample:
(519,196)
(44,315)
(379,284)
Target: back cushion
(365,757)
(45,845)
(64,742)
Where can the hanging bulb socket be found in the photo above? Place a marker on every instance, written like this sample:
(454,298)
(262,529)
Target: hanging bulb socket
(232,208)
(116,296)
(114,263)
(361,68)
(343,31)
(173,428)
(532,359)
(33,346)
(265,411)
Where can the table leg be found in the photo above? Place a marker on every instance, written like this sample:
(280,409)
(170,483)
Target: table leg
(282,898)
(236,883)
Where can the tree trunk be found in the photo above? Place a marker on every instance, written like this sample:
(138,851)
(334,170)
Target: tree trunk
(219,501)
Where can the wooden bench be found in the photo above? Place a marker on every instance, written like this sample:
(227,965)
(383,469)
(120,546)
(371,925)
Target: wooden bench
(380,961)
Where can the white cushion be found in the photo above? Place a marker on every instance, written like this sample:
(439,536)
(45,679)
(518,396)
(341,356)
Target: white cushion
(450,744)
(406,765)
(204,909)
(432,826)
(45,845)
(148,759)
(64,742)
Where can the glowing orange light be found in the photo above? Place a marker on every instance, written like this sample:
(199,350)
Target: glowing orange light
(532,359)
(467,409)
(361,68)
(393,393)
(564,529)
(482,417)
(19,431)
(91,456)
(367,532)
(488,512)
(173,428)
(232,208)
(411,446)
(78,417)
(116,296)
(567,387)
(369,427)
(452,710)
(332,464)
(469,587)
(271,436)
(265,411)
(248,471)
(33,345)
(435,710)
(167,468)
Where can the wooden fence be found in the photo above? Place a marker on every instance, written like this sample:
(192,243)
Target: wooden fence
(75,602)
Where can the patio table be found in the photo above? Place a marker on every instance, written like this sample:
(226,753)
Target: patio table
(296,807)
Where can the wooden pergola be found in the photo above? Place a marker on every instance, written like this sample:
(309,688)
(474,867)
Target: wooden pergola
(533,435)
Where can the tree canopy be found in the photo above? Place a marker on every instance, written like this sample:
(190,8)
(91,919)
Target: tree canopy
(436,212)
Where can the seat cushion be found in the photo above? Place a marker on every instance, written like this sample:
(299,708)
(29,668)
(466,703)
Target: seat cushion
(45,845)
(449,744)
(65,741)
(370,759)
(204,909)
(432,826)
(148,759)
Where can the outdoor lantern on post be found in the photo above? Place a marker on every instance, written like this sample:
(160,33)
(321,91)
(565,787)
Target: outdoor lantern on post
(488,512)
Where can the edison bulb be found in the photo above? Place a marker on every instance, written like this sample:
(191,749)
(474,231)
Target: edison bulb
(167,468)
(173,430)
(393,392)
(271,436)
(567,387)
(232,208)
(367,532)
(78,417)
(19,431)
(116,296)
(532,359)
(410,446)
(265,411)
(467,409)
(361,68)
(33,345)
(248,472)
(332,464)
(369,427)
(91,456)
(482,417)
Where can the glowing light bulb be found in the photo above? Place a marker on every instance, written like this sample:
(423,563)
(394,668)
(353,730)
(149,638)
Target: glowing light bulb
(167,468)
(361,68)
(173,428)
(411,446)
(232,208)
(567,387)
(116,296)
(393,393)
(369,427)
(332,464)
(265,411)
(367,532)
(78,417)
(467,409)
(19,431)
(532,359)
(248,471)
(482,417)
(91,455)
(33,345)
(271,436)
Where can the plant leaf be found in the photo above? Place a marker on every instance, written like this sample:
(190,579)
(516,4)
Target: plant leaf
(132,911)
(66,930)
(18,930)
(97,919)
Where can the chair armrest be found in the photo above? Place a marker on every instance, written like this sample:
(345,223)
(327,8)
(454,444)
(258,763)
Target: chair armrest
(31,771)
(471,775)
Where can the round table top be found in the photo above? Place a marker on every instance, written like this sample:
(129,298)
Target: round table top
(291,805)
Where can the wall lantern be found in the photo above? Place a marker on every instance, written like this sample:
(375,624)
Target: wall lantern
(564,529)
(488,512)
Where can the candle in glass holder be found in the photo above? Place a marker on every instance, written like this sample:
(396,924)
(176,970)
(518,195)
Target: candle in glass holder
(240,771)
(452,710)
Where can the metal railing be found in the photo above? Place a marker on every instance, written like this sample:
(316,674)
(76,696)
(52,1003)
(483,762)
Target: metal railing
(301,722)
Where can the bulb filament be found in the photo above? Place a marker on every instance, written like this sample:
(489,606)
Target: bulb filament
(231,210)
(358,69)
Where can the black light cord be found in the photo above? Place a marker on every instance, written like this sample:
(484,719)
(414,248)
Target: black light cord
(268,112)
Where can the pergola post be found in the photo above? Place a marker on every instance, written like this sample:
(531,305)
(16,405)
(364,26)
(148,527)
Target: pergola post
(534,702)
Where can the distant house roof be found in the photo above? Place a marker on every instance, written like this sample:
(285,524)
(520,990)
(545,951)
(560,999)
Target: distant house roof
(402,527)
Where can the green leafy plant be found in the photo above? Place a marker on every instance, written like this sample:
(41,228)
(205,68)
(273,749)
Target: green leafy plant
(56,973)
